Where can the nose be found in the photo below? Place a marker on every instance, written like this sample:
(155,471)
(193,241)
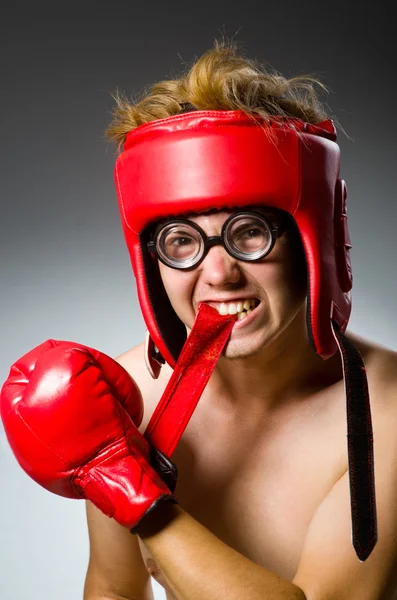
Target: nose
(219,268)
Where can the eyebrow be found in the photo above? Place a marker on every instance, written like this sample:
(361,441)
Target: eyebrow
(266,211)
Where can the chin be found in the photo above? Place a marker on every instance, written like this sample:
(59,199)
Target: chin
(240,349)
(240,354)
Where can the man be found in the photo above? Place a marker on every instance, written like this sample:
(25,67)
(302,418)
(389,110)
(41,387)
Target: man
(262,468)
(226,210)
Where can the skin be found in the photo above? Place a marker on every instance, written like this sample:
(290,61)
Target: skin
(264,507)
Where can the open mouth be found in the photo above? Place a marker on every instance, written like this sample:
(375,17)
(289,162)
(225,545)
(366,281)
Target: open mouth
(242,308)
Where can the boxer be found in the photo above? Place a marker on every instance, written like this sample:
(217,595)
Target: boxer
(242,212)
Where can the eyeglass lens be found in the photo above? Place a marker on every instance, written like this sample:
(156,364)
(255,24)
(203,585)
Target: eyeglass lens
(248,235)
(180,242)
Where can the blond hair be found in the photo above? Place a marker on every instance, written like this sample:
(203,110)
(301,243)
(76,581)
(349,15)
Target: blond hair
(221,79)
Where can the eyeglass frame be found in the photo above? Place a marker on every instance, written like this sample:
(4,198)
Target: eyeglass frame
(276,231)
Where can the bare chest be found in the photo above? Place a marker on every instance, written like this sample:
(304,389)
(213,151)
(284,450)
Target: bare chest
(257,484)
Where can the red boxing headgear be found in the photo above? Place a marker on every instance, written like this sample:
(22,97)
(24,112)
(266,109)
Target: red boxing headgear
(205,160)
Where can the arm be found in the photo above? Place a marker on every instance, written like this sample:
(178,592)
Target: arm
(329,568)
(198,565)
(201,566)
(71,415)
(116,570)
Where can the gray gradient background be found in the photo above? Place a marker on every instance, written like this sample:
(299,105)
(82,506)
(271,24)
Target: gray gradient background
(65,271)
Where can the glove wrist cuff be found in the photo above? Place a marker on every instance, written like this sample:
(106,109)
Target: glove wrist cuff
(161,513)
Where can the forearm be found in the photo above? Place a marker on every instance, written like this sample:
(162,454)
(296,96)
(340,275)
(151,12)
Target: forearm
(98,596)
(103,588)
(198,565)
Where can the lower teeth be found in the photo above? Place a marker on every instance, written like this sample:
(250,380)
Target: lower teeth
(243,314)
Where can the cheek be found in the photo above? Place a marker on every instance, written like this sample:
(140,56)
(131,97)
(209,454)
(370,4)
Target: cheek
(179,286)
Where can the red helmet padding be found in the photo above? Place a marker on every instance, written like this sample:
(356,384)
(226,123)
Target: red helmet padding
(206,160)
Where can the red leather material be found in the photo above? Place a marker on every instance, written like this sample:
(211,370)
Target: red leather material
(71,416)
(204,167)
(195,365)
(224,159)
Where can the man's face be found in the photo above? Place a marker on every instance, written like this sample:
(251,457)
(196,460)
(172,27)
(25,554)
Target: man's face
(275,287)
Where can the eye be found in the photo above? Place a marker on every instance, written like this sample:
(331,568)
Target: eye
(250,236)
(180,241)
(252,232)
(249,232)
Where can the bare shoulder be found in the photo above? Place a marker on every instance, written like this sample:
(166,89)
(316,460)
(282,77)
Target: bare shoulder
(152,389)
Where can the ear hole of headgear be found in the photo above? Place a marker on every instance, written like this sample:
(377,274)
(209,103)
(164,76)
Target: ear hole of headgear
(342,238)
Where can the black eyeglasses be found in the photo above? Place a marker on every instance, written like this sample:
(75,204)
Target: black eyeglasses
(247,235)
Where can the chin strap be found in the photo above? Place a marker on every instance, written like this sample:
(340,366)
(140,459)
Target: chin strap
(360,448)
(195,365)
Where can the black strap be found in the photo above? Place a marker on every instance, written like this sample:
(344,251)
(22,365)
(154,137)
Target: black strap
(360,448)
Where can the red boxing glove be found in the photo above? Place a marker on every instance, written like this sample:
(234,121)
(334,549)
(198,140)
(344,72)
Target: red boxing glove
(71,416)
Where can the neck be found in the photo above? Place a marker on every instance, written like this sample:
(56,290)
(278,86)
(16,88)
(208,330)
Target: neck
(285,371)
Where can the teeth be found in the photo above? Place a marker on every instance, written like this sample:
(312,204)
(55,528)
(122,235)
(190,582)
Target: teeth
(232,308)
(223,309)
(241,316)
(247,304)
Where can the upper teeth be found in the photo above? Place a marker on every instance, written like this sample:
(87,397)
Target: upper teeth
(231,308)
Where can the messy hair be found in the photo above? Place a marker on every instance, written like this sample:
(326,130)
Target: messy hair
(222,79)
